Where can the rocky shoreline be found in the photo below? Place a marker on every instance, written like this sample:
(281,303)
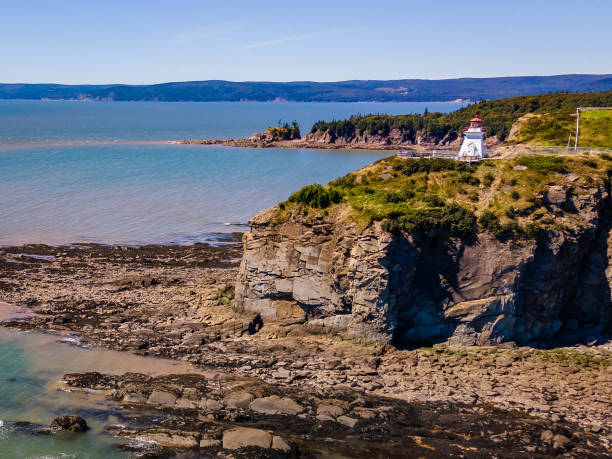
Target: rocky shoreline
(380,145)
(395,141)
(174,301)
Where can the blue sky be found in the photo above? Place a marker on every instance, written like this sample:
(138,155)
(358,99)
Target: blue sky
(137,41)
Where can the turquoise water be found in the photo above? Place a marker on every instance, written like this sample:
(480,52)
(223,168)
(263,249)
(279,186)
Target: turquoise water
(32,366)
(59,184)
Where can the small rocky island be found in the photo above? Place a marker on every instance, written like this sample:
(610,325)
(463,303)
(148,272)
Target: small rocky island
(416,307)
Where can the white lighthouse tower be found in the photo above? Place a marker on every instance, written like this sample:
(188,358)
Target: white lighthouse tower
(472,148)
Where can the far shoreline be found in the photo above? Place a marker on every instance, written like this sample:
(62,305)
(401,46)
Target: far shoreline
(465,102)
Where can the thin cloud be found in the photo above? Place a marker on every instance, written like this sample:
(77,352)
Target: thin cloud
(197,34)
(262,44)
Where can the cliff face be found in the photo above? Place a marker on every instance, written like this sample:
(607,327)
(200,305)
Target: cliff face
(395,138)
(413,289)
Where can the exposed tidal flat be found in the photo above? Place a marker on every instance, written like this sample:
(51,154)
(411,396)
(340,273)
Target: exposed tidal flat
(283,389)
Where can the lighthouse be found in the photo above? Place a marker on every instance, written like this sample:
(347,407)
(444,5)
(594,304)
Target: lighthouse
(472,148)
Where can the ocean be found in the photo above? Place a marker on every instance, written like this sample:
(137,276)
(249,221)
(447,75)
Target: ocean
(83,171)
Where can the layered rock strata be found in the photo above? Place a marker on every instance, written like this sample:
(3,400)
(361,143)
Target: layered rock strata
(416,289)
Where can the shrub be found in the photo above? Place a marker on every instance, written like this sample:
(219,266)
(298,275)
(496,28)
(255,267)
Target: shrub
(225,295)
(488,179)
(316,196)
(457,220)
(467,178)
(348,181)
(405,194)
(433,200)
(489,221)
(512,227)
(454,218)
(435,165)
(591,163)
(515,195)
(531,229)
(391,197)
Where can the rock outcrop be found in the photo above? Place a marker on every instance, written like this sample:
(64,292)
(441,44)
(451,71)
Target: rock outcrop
(395,138)
(71,423)
(417,289)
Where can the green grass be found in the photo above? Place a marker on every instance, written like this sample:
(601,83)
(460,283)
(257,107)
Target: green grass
(452,198)
(596,128)
(316,196)
(573,358)
(225,295)
(555,120)
(543,164)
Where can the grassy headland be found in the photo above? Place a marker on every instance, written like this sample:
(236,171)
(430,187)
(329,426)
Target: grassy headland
(543,119)
(506,197)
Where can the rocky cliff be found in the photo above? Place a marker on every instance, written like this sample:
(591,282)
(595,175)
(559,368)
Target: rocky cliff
(422,287)
(395,138)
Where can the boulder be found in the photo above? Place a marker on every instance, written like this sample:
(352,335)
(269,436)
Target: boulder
(279,443)
(241,437)
(560,442)
(134,397)
(348,421)
(71,423)
(329,410)
(159,397)
(210,404)
(176,439)
(238,399)
(276,405)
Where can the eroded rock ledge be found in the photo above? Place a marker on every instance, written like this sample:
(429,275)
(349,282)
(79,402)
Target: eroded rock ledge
(248,418)
(418,289)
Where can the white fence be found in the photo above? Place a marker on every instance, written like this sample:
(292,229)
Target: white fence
(520,149)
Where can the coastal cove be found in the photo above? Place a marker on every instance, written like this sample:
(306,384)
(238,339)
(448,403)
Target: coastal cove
(104,172)
(380,305)
(305,231)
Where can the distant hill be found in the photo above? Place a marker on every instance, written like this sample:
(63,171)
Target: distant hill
(470,89)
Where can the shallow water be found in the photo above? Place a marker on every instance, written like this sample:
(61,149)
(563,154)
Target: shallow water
(95,171)
(32,366)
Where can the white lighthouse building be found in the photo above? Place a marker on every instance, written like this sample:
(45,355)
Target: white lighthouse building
(472,148)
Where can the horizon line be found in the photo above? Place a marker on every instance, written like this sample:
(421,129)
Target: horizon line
(308,81)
